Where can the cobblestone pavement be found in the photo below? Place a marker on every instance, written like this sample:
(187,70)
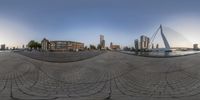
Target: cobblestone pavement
(111,75)
(61,57)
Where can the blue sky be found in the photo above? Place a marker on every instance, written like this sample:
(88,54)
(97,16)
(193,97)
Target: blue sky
(120,21)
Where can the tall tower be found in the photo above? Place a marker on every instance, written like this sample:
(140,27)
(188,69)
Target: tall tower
(152,47)
(101,38)
(3,47)
(102,41)
(144,42)
(136,42)
(164,38)
(157,46)
(195,47)
(111,45)
(166,43)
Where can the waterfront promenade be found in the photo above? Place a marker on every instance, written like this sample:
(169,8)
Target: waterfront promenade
(113,75)
(61,57)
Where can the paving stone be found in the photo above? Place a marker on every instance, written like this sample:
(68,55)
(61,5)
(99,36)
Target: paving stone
(113,75)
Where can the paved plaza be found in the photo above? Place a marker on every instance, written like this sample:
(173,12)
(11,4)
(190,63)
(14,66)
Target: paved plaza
(106,76)
(61,57)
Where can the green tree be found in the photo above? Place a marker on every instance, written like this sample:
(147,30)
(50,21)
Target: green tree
(92,47)
(99,46)
(85,47)
(33,44)
(38,45)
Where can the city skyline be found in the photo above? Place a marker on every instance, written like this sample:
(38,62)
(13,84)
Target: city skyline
(121,22)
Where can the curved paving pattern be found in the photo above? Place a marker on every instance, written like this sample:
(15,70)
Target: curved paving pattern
(110,75)
(61,57)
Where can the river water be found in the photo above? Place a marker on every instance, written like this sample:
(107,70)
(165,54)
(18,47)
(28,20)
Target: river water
(162,54)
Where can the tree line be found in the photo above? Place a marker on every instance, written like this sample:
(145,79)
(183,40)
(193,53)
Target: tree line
(34,45)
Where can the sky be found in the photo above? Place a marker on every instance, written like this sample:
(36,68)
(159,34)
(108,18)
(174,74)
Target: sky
(120,21)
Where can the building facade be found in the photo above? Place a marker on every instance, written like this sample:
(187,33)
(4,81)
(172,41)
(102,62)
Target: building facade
(136,42)
(102,41)
(152,46)
(114,47)
(45,44)
(3,47)
(23,46)
(195,47)
(157,46)
(144,42)
(61,45)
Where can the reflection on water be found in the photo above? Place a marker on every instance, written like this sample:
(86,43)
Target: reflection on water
(163,54)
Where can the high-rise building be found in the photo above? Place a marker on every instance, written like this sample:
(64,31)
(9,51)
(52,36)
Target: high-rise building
(111,44)
(152,47)
(136,42)
(3,47)
(144,42)
(195,47)
(157,46)
(101,38)
(102,41)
